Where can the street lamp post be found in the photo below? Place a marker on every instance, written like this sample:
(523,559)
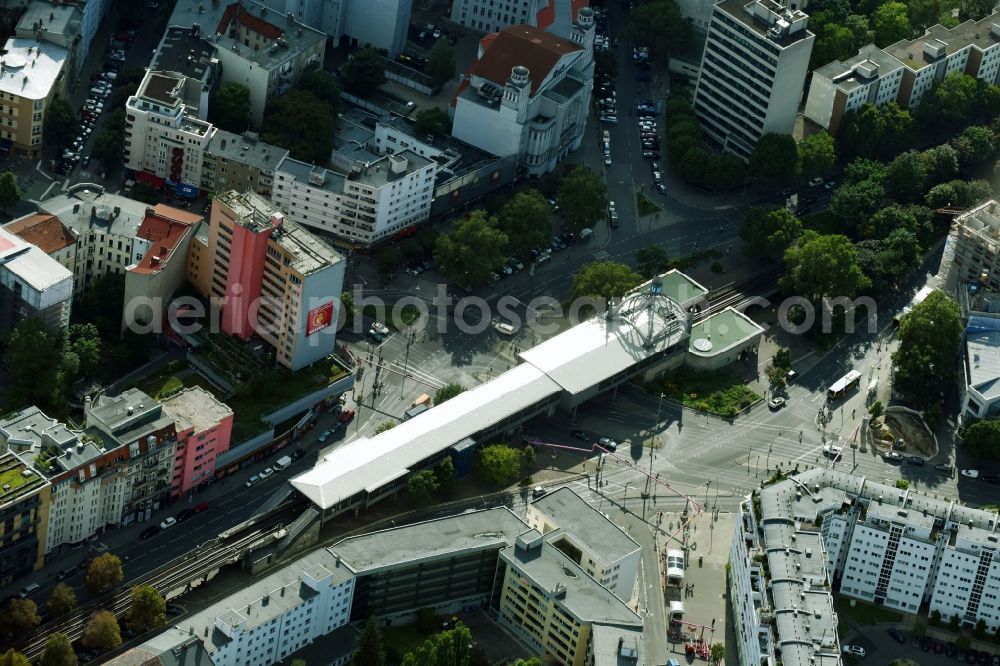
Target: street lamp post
(410,335)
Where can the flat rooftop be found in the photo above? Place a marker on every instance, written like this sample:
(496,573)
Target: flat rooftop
(245,149)
(571,514)
(850,74)
(722,331)
(21,481)
(198,407)
(34,268)
(57,19)
(982,357)
(95,208)
(181,50)
(971,33)
(327,180)
(895,514)
(30,68)
(380,172)
(742,11)
(477,530)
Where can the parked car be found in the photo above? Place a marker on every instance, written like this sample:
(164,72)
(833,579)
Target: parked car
(925,643)
(168,523)
(944,467)
(347,416)
(855,650)
(149,532)
(381,328)
(915,460)
(970,473)
(581,435)
(897,635)
(266,473)
(608,443)
(325,436)
(893,457)
(776,402)
(252,480)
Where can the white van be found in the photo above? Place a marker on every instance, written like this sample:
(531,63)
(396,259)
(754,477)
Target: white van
(29,590)
(503,328)
(585,233)
(282,463)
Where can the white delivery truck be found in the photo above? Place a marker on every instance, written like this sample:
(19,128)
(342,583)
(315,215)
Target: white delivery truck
(282,463)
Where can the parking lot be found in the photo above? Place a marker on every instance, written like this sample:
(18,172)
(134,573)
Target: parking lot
(936,648)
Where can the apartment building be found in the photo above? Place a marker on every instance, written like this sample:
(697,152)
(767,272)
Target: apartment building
(24,506)
(383,25)
(204,431)
(32,284)
(271,276)
(752,72)
(362,207)
(553,15)
(185,51)
(887,546)
(600,547)
(487,559)
(871,77)
(262,49)
(528,94)
(162,140)
(31,75)
(47,232)
(59,24)
(235,162)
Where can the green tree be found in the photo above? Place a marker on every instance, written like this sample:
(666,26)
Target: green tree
(660,24)
(84,340)
(924,362)
(775,159)
(819,266)
(385,425)
(862,169)
(605,280)
(432,122)
(302,123)
(364,72)
(906,177)
(900,254)
(583,199)
(942,163)
(767,232)
(103,574)
(347,307)
(473,250)
(20,616)
(62,601)
(526,219)
(58,651)
(427,239)
(817,154)
(499,464)
(951,102)
(447,392)
(421,486)
(31,348)
(534,661)
(833,42)
(916,219)
(322,85)
(855,204)
(148,609)
(975,145)
(231,108)
(60,122)
(10,193)
(923,13)
(652,260)
(109,143)
(718,652)
(891,24)
(13,658)
(958,194)
(102,632)
(440,62)
(389,258)
(146,193)
(370,645)
(982,439)
(453,647)
(447,479)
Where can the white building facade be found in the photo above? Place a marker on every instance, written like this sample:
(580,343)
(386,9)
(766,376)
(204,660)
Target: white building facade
(382,24)
(752,73)
(363,207)
(536,109)
(871,77)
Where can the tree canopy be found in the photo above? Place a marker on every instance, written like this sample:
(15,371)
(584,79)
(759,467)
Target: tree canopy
(231,108)
(583,198)
(148,609)
(924,362)
(102,632)
(605,280)
(322,85)
(447,392)
(817,154)
(472,250)
(62,601)
(422,485)
(60,122)
(19,617)
(452,647)
(58,651)
(499,464)
(440,62)
(13,658)
(109,142)
(526,219)
(364,72)
(370,645)
(432,121)
(31,350)
(891,23)
(775,159)
(906,177)
(104,573)
(768,232)
(982,439)
(660,24)
(302,123)
(823,266)
(10,193)
(652,260)
(855,203)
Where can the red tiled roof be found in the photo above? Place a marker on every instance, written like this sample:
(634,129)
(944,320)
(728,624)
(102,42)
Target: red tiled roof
(43,230)
(164,233)
(524,45)
(247,18)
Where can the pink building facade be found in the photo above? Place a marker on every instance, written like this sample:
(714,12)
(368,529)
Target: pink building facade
(204,431)
(246,275)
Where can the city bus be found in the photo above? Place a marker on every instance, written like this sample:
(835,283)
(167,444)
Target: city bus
(846,383)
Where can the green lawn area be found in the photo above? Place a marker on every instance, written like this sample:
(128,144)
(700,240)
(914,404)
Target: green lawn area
(865,614)
(719,393)
(13,478)
(644,206)
(823,222)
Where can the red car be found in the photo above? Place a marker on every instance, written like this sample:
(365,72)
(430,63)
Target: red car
(347,416)
(201,507)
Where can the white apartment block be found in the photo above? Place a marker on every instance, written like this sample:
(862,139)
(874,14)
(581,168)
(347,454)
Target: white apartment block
(32,284)
(752,72)
(94,12)
(495,15)
(364,206)
(871,77)
(160,137)
(608,555)
(888,546)
(528,94)
(381,24)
